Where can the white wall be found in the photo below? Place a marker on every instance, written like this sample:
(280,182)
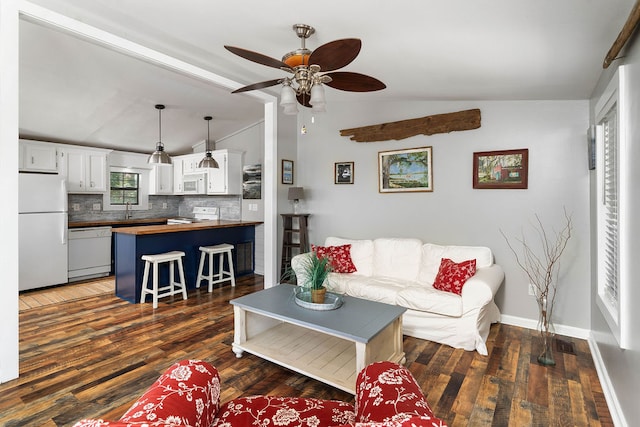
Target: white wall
(622,367)
(455,213)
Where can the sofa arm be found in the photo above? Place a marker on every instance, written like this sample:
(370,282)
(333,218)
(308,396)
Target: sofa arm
(297,263)
(188,393)
(482,287)
(386,392)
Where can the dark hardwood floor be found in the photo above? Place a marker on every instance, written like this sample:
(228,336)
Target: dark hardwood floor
(93,357)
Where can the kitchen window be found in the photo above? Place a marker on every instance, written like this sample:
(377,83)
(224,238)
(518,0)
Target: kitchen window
(127,185)
(124,188)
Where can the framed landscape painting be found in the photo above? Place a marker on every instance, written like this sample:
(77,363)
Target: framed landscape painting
(343,173)
(408,170)
(501,169)
(287,171)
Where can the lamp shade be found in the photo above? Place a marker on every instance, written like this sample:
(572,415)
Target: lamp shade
(317,97)
(296,193)
(288,100)
(159,156)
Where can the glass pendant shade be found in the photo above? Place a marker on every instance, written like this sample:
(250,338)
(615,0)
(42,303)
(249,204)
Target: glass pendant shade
(208,161)
(159,156)
(317,100)
(288,100)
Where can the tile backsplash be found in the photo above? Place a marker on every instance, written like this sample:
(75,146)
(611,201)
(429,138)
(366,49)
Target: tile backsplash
(90,207)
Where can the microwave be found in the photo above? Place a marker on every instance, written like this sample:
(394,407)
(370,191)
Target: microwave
(194,183)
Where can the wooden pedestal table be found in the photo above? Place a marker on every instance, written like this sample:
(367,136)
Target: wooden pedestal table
(329,346)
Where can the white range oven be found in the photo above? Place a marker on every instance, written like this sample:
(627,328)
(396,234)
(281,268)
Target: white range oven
(195,183)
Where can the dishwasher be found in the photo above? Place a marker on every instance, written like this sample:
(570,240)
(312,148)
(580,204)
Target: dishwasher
(89,253)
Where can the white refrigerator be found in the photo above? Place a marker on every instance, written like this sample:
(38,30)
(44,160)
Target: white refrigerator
(42,222)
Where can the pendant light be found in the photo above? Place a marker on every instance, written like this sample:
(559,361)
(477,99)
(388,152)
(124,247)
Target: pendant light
(208,161)
(159,156)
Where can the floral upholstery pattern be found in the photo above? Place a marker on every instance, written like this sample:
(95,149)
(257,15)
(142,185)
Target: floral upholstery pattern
(187,394)
(284,411)
(452,276)
(339,256)
(388,393)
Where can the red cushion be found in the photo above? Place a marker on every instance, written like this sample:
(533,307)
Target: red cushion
(340,257)
(452,276)
(187,393)
(284,411)
(387,393)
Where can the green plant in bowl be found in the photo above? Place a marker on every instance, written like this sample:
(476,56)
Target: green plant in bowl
(315,271)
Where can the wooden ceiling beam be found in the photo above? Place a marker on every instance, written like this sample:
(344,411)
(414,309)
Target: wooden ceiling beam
(623,37)
(429,125)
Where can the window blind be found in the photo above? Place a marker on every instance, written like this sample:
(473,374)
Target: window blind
(610,205)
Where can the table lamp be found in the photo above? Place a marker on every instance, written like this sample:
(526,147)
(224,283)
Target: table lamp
(296,194)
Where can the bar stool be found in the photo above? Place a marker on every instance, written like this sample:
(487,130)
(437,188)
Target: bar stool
(173,287)
(223,275)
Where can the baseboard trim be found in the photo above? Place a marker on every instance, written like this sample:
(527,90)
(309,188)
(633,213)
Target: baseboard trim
(607,388)
(570,331)
(585,334)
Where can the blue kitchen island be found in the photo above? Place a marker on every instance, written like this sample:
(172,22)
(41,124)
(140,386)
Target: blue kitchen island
(133,242)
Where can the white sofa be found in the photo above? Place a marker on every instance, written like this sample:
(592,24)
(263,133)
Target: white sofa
(402,271)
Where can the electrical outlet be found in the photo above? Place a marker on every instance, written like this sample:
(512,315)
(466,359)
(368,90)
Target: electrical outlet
(164,206)
(532,290)
(150,205)
(75,206)
(96,206)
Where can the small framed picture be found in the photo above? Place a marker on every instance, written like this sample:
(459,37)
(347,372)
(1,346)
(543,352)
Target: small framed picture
(407,170)
(501,169)
(287,171)
(343,173)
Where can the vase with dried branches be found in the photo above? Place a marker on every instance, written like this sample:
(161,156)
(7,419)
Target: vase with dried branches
(541,264)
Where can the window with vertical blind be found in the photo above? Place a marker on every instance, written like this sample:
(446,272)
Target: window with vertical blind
(611,185)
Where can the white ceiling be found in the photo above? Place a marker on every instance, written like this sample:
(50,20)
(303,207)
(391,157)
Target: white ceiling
(74,91)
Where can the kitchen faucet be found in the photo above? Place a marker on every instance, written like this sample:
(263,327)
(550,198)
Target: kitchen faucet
(127,213)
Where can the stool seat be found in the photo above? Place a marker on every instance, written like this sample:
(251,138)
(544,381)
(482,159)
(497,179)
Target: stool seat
(221,250)
(173,287)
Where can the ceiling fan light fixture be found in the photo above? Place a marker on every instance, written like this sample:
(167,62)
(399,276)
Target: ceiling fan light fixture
(317,99)
(159,156)
(288,100)
(208,161)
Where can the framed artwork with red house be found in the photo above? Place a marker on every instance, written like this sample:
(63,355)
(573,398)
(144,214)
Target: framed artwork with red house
(501,169)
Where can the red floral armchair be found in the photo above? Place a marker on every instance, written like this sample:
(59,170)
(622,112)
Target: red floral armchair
(188,394)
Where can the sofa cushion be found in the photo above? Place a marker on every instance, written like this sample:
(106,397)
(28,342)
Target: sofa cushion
(433,254)
(284,411)
(398,258)
(380,289)
(339,256)
(426,298)
(452,276)
(361,253)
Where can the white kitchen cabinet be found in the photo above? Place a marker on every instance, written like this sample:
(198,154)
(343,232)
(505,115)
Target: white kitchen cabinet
(37,156)
(161,180)
(190,162)
(227,178)
(85,169)
(177,175)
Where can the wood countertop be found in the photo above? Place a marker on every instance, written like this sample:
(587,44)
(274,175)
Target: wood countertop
(176,228)
(117,222)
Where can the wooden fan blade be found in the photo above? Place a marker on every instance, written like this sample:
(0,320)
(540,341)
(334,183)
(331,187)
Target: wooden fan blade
(354,82)
(259,85)
(258,58)
(336,54)
(303,99)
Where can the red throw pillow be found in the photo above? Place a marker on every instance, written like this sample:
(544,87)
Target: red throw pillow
(452,276)
(339,256)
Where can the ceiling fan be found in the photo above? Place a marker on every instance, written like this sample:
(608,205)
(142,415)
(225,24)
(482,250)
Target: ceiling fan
(311,70)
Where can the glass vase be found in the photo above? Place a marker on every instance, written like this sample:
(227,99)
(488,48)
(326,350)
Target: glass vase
(547,333)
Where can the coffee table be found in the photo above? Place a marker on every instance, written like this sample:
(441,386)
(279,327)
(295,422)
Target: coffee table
(331,346)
